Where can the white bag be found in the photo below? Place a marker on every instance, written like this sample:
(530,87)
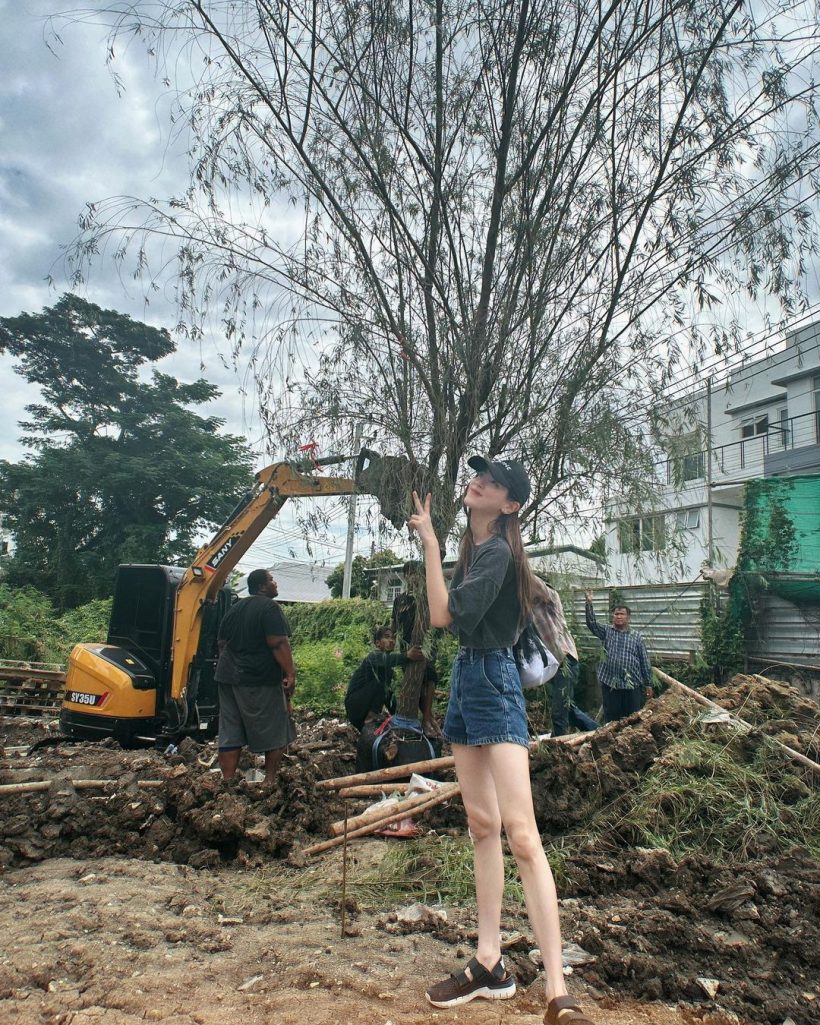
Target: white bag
(536,663)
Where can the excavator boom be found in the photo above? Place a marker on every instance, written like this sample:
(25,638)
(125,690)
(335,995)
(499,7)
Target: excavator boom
(214,561)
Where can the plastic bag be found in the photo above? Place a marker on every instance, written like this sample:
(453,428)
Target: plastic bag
(536,663)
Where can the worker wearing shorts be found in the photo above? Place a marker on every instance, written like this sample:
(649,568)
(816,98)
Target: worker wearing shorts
(256,678)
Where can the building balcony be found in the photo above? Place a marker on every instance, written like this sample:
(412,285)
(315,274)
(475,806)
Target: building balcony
(789,446)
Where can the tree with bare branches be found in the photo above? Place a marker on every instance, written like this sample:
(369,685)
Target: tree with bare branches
(497,226)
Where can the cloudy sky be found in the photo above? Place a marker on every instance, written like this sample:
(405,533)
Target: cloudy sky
(68,138)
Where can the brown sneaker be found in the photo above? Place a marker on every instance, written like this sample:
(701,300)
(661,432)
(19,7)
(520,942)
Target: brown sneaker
(473,981)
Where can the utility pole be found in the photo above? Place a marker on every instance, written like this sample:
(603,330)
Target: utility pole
(710,543)
(351,522)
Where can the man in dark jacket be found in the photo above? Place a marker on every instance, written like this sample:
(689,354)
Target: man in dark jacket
(256,678)
(369,694)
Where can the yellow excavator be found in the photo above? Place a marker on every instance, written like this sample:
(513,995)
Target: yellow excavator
(152,681)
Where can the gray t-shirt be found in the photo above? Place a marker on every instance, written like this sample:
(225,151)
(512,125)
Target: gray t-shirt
(484,602)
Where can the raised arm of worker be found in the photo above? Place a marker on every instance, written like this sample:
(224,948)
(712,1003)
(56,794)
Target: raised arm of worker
(280,648)
(437,595)
(646,668)
(592,622)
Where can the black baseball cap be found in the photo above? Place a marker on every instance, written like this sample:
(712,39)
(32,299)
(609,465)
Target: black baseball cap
(508,472)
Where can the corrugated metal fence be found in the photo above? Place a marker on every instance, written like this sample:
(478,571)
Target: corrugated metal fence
(783,632)
(668,616)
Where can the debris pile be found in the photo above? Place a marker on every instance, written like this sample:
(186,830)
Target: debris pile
(685,846)
(190,817)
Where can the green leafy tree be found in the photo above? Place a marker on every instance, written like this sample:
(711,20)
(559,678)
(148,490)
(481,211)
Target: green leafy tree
(122,469)
(517,221)
(361,583)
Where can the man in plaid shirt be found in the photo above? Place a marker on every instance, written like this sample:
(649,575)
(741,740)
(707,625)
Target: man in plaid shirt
(625,675)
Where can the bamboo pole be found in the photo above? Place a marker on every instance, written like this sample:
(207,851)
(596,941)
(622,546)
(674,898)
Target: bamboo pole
(702,700)
(372,789)
(437,797)
(34,786)
(382,775)
(374,814)
(344,873)
(432,765)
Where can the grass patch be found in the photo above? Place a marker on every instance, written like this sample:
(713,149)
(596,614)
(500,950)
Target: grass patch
(724,795)
(431,869)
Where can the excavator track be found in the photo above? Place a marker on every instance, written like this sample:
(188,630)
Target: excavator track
(31,688)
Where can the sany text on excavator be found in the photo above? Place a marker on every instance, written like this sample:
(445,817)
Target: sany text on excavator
(153,679)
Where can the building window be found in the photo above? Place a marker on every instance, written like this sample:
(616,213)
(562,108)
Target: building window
(394,589)
(817,408)
(687,461)
(750,429)
(688,519)
(642,534)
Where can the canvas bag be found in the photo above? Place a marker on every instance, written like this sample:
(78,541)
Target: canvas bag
(536,663)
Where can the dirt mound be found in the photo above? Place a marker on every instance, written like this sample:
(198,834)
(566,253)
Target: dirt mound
(694,853)
(773,708)
(685,848)
(572,786)
(170,806)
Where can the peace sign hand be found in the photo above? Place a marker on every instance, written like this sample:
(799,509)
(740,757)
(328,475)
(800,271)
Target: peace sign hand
(420,520)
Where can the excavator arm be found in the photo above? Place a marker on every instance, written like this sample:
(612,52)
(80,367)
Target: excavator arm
(215,560)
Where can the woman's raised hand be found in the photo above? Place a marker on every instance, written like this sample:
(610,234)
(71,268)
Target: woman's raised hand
(420,520)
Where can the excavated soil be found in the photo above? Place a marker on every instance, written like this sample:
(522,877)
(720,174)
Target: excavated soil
(118,903)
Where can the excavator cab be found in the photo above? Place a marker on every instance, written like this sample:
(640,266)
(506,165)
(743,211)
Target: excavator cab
(121,688)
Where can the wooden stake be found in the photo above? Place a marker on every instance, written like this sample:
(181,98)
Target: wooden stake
(79,784)
(382,775)
(344,874)
(437,797)
(702,700)
(431,765)
(373,789)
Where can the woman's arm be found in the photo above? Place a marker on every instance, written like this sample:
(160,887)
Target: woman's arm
(436,587)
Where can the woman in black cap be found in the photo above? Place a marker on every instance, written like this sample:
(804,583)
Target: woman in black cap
(487,605)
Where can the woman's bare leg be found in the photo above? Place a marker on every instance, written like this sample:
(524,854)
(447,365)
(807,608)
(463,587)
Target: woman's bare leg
(509,769)
(484,820)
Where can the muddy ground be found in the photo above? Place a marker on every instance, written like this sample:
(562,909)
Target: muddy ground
(191,902)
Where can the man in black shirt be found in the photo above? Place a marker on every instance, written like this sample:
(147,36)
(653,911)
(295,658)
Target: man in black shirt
(256,678)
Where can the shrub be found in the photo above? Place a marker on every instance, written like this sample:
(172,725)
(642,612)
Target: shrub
(84,625)
(334,620)
(26,620)
(30,629)
(329,640)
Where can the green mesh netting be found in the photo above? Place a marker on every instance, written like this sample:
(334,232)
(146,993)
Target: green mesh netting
(781,535)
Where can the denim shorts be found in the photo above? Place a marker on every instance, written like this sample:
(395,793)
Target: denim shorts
(486,700)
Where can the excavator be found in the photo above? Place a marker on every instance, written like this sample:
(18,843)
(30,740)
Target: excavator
(152,681)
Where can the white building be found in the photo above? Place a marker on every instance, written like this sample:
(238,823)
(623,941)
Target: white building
(765,421)
(300,582)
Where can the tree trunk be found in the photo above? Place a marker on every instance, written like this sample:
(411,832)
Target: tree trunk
(407,703)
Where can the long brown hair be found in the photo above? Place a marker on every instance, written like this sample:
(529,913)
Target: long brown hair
(505,525)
